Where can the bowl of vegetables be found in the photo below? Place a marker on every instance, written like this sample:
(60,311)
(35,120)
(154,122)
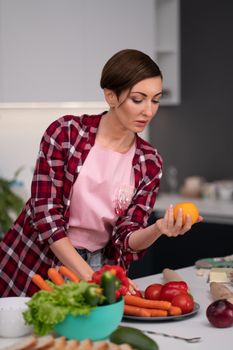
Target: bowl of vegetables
(79,309)
(98,324)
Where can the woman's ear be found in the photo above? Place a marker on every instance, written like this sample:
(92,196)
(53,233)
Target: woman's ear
(110,98)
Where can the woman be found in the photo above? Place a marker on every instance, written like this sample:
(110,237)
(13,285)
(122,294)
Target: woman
(94,185)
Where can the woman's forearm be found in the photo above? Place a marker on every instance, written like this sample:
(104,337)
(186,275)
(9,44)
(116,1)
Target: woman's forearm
(144,238)
(68,256)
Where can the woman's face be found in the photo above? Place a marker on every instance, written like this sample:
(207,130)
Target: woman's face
(137,107)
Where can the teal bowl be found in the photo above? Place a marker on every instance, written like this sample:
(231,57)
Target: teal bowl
(99,324)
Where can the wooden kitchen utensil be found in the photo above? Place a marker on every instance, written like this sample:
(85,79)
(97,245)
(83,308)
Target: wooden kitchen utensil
(220,291)
(171,275)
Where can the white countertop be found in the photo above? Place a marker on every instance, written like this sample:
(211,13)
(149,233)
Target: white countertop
(213,210)
(196,326)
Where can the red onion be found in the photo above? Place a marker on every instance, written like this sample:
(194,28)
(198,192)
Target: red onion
(220,313)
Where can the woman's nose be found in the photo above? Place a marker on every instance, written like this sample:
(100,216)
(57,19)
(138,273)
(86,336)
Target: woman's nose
(149,110)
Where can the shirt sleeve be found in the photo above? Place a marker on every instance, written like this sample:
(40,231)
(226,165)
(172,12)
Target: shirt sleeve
(47,196)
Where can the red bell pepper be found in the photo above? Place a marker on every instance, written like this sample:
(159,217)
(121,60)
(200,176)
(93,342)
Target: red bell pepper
(119,273)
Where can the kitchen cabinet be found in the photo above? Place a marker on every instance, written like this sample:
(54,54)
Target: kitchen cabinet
(204,240)
(71,68)
(168,48)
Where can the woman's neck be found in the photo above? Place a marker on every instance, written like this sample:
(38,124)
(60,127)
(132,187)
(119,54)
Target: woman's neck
(114,136)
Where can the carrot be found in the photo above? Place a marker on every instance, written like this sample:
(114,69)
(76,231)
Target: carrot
(55,276)
(158,313)
(174,311)
(41,283)
(143,312)
(132,310)
(65,271)
(146,303)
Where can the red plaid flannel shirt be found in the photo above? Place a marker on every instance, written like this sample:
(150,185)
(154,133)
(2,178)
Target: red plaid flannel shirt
(64,147)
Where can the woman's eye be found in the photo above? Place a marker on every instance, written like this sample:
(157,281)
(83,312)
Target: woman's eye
(136,100)
(156,101)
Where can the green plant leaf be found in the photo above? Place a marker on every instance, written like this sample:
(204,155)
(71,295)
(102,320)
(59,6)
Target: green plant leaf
(10,203)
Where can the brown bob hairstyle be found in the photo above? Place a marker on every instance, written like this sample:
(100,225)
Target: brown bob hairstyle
(126,68)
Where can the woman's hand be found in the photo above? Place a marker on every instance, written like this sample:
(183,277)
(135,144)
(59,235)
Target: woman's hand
(171,227)
(133,288)
(68,256)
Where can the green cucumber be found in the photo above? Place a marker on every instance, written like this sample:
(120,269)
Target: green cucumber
(134,337)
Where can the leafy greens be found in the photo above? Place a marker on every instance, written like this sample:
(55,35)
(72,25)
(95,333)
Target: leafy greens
(46,309)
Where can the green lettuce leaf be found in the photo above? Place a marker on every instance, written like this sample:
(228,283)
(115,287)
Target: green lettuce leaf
(46,309)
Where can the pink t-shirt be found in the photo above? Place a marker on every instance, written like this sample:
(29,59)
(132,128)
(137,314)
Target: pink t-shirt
(102,191)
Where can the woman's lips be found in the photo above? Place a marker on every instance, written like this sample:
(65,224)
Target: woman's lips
(141,123)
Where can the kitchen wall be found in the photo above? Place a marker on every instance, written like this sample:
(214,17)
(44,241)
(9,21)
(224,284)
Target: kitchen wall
(196,136)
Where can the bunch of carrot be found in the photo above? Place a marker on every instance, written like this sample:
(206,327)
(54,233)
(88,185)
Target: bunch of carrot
(56,276)
(137,306)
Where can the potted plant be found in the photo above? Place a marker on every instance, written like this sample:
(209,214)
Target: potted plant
(10,204)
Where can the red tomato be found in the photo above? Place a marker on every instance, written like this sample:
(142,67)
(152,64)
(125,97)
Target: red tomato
(184,301)
(168,293)
(182,285)
(153,291)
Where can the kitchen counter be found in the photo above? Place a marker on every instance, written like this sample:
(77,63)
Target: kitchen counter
(213,210)
(195,326)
